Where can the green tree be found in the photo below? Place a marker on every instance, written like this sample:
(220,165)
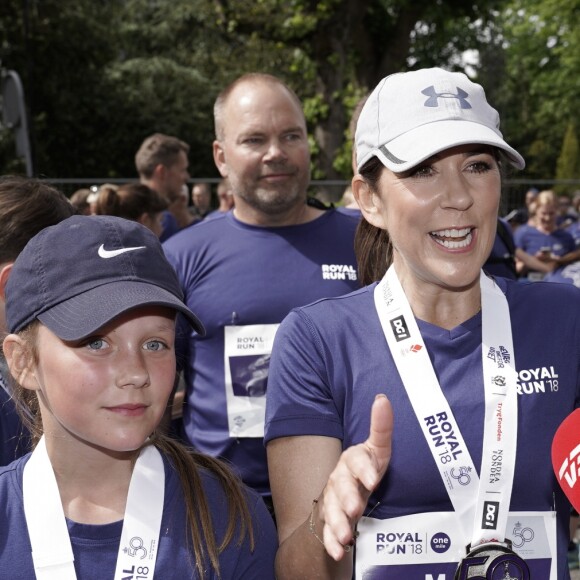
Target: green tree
(333,52)
(59,48)
(100,75)
(536,54)
(568,164)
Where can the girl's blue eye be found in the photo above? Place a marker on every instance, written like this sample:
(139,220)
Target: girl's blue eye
(96,344)
(154,345)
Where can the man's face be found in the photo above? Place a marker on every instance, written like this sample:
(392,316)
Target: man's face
(264,149)
(201,197)
(175,176)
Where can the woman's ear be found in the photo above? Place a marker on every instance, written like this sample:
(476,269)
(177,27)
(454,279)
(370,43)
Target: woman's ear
(368,201)
(19,359)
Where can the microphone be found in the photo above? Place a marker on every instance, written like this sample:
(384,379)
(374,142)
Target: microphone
(566,457)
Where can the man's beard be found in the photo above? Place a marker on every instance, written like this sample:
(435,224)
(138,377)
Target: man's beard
(274,200)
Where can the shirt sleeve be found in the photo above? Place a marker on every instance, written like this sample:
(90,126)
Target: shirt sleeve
(301,400)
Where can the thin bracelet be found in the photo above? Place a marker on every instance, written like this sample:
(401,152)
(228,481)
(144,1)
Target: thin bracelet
(311,524)
(312,527)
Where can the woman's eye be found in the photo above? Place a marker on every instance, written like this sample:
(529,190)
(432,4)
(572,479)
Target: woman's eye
(479,167)
(424,171)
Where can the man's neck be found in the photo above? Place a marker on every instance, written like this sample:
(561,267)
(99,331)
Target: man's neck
(300,214)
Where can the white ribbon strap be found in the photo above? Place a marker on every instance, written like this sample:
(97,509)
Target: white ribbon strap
(52,553)
(481,506)
(142,523)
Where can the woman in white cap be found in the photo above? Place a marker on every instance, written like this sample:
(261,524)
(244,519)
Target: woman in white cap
(409,424)
(91,307)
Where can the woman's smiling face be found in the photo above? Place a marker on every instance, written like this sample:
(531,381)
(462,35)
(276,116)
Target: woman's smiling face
(441,215)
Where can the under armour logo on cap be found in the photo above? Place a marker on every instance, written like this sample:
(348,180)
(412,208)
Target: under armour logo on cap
(434,96)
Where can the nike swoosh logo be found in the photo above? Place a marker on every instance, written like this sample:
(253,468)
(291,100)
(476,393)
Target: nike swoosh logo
(112,253)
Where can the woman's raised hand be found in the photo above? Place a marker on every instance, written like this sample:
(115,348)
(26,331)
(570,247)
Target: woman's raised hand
(358,472)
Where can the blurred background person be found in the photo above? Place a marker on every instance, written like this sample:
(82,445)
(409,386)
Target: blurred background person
(80,201)
(201,200)
(225,197)
(544,240)
(530,198)
(133,201)
(566,212)
(27,206)
(162,164)
(574,228)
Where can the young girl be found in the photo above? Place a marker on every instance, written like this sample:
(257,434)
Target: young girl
(91,307)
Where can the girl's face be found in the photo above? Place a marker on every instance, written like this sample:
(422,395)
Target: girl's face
(110,390)
(441,216)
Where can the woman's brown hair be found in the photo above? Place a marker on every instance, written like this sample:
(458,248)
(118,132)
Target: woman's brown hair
(372,245)
(129,201)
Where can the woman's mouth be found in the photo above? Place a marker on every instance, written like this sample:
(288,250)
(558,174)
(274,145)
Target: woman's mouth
(453,239)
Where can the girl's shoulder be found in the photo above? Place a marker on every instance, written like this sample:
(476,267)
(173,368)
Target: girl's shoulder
(11,474)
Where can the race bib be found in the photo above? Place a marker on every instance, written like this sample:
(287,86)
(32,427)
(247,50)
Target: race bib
(430,546)
(247,352)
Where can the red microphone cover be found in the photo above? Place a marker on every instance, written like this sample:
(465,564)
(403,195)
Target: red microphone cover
(566,457)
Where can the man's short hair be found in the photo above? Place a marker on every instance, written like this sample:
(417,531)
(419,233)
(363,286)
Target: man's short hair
(158,149)
(251,78)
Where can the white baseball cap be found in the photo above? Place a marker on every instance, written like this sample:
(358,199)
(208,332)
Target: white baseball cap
(413,115)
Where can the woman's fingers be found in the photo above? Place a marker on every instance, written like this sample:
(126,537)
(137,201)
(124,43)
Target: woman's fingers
(357,473)
(379,441)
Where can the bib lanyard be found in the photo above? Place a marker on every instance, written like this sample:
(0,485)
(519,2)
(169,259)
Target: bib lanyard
(481,504)
(51,547)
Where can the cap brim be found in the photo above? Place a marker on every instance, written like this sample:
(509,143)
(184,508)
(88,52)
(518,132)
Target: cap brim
(82,315)
(408,150)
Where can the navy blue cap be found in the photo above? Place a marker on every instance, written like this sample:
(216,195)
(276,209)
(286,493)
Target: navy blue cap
(80,274)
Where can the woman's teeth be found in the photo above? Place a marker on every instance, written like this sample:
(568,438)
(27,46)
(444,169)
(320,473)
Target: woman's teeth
(453,239)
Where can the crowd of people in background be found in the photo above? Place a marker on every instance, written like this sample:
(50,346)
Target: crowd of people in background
(539,241)
(285,376)
(139,202)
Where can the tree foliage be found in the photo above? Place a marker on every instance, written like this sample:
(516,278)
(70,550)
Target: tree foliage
(568,164)
(537,58)
(100,75)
